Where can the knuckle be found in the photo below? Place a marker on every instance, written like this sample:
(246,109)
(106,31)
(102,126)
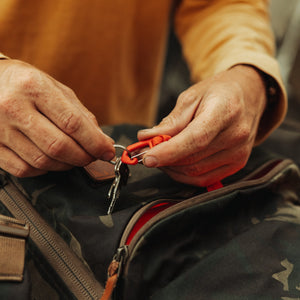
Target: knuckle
(169,121)
(56,148)
(185,97)
(92,117)
(22,171)
(41,161)
(11,109)
(68,90)
(70,122)
(240,158)
(235,168)
(244,154)
(8,106)
(198,142)
(233,109)
(29,121)
(28,81)
(242,164)
(204,141)
(242,134)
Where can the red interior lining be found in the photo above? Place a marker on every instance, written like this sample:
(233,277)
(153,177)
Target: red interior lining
(154,210)
(214,186)
(150,213)
(266,170)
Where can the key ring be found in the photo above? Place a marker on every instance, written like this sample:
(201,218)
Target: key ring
(117,146)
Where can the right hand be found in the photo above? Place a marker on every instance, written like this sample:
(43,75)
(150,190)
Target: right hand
(43,126)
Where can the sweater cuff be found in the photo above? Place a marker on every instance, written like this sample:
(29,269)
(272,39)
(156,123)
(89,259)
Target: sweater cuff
(275,110)
(2,56)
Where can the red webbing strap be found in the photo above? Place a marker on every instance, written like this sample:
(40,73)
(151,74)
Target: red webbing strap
(214,186)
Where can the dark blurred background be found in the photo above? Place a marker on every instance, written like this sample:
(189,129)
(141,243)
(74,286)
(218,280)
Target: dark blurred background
(285,16)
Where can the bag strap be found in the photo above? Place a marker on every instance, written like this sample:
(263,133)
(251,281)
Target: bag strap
(13,235)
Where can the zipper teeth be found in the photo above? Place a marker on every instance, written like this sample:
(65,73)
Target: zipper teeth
(135,218)
(48,244)
(182,204)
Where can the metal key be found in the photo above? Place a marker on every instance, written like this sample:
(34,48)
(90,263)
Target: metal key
(121,177)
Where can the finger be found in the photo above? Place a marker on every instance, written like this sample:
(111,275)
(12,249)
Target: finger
(203,180)
(69,94)
(236,157)
(28,151)
(13,164)
(213,168)
(208,123)
(180,116)
(51,140)
(77,125)
(196,137)
(233,142)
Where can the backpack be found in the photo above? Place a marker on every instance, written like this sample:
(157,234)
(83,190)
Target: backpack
(164,240)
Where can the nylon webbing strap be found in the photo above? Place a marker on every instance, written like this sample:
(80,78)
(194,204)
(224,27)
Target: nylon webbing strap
(13,234)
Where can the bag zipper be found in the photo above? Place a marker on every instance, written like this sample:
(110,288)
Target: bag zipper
(70,268)
(261,175)
(72,271)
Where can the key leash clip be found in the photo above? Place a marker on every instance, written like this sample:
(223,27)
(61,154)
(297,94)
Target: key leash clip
(128,159)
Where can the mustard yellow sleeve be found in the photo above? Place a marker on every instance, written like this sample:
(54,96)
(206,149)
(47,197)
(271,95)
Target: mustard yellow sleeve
(218,34)
(2,56)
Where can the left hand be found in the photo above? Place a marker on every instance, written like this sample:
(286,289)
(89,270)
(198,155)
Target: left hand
(213,128)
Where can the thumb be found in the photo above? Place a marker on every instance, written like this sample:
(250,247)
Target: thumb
(175,122)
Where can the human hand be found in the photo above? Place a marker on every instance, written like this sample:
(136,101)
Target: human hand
(213,128)
(43,126)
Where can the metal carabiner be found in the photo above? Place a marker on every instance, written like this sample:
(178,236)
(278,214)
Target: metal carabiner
(133,160)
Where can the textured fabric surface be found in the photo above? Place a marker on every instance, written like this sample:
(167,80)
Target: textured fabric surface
(241,245)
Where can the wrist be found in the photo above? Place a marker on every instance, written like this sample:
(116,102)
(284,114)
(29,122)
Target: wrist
(270,85)
(253,84)
(272,94)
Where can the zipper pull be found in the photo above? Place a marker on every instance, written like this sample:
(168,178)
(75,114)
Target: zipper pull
(114,271)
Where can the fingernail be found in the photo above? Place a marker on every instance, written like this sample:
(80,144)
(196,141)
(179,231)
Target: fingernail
(110,139)
(145,130)
(107,136)
(109,155)
(142,132)
(150,161)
